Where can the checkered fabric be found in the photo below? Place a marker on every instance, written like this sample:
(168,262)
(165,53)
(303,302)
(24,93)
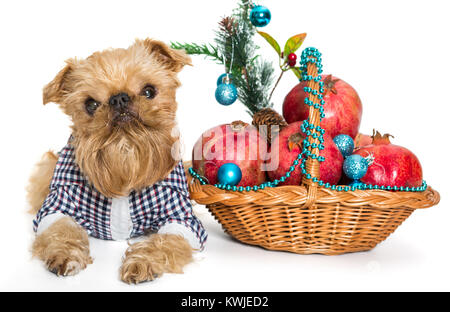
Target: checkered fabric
(165,202)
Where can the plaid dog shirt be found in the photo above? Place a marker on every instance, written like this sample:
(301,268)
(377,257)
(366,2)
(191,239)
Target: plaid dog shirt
(162,207)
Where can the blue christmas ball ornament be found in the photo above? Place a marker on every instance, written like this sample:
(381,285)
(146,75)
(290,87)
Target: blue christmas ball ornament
(260,16)
(226,94)
(222,79)
(229,174)
(355,167)
(345,144)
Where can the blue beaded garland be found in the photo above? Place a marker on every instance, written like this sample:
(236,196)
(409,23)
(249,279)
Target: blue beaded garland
(345,144)
(355,183)
(260,16)
(229,174)
(226,94)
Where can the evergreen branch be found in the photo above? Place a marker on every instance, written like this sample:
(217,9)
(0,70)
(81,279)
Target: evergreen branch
(196,49)
(253,88)
(234,47)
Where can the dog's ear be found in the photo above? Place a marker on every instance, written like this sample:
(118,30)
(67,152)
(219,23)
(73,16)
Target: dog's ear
(54,90)
(173,59)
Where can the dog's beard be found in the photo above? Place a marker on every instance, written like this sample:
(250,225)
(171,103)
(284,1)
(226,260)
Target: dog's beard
(123,159)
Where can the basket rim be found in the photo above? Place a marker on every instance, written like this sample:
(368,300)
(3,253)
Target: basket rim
(297,196)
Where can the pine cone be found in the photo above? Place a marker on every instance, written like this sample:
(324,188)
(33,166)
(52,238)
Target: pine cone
(268,117)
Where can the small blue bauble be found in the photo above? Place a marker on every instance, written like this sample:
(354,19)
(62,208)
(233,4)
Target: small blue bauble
(226,94)
(345,144)
(222,79)
(260,16)
(229,174)
(355,167)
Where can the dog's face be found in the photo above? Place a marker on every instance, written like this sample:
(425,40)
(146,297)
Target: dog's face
(122,105)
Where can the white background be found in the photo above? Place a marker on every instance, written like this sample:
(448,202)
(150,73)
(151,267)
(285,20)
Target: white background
(395,53)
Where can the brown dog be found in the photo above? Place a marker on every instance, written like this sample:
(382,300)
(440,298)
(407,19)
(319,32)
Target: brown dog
(117,177)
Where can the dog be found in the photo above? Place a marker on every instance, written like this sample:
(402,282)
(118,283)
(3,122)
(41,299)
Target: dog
(118,177)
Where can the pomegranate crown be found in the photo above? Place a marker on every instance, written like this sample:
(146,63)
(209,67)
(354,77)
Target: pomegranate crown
(379,139)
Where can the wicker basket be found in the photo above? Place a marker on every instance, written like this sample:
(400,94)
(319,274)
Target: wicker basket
(310,219)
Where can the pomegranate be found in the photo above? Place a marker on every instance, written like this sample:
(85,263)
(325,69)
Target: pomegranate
(342,108)
(392,165)
(362,140)
(285,149)
(237,143)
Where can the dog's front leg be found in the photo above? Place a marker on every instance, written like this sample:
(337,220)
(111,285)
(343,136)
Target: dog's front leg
(64,247)
(157,254)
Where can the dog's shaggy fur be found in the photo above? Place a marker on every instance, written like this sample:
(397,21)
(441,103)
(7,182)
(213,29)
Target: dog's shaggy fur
(40,179)
(116,158)
(134,155)
(64,247)
(151,258)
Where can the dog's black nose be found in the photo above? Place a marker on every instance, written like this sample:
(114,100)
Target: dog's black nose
(119,101)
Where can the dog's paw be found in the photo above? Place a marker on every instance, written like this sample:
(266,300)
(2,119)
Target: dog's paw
(135,271)
(66,266)
(149,259)
(64,247)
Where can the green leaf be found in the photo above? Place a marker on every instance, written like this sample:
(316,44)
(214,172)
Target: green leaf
(297,72)
(293,44)
(271,41)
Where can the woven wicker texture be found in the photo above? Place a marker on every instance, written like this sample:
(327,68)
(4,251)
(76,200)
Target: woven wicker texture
(308,219)
(337,222)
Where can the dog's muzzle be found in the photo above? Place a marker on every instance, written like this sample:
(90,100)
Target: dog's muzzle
(119,101)
(120,105)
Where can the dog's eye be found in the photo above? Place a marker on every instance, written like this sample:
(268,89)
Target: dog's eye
(91,106)
(149,91)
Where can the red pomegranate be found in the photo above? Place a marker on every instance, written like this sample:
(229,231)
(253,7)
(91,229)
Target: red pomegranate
(238,143)
(362,140)
(392,165)
(342,108)
(289,143)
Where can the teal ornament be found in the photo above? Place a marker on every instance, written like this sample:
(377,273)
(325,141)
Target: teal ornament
(229,174)
(226,94)
(224,78)
(345,144)
(260,16)
(355,167)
